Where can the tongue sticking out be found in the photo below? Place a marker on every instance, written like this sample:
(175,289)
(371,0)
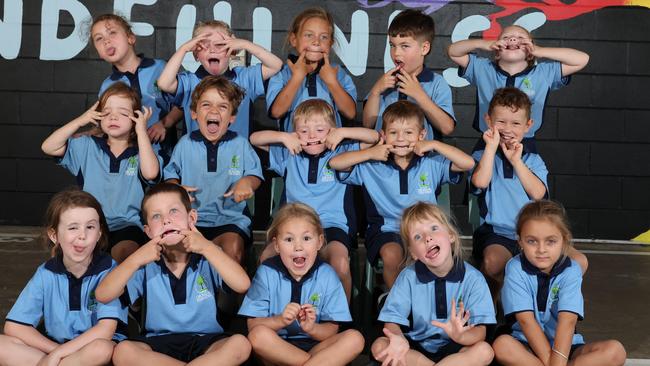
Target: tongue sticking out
(213,127)
(431,253)
(299,261)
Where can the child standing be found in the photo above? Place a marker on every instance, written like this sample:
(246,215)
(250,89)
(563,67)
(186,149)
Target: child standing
(515,66)
(397,173)
(302,158)
(310,74)
(177,274)
(212,45)
(442,300)
(217,166)
(78,329)
(112,37)
(296,300)
(114,167)
(542,298)
(411,36)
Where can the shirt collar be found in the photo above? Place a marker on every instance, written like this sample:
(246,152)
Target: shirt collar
(144,63)
(276,263)
(425,275)
(201,72)
(99,263)
(197,136)
(558,267)
(193,262)
(102,142)
(414,161)
(507,74)
(426,75)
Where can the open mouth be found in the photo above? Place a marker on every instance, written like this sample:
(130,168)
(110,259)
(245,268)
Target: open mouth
(169,232)
(314,143)
(110,51)
(399,64)
(432,252)
(78,249)
(299,262)
(213,62)
(213,126)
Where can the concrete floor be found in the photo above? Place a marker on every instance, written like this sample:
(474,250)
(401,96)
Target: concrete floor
(616,288)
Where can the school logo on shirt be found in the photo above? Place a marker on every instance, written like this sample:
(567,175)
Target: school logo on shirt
(314,300)
(132,166)
(234,166)
(201,289)
(92,302)
(328,174)
(555,291)
(424,186)
(156,90)
(527,87)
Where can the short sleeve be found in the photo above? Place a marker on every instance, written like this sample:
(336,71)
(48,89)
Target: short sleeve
(398,303)
(28,308)
(252,165)
(135,286)
(183,89)
(278,157)
(471,71)
(515,294)
(275,85)
(252,80)
(476,155)
(553,71)
(173,168)
(570,295)
(346,82)
(351,177)
(257,302)
(538,167)
(441,168)
(442,97)
(76,151)
(335,304)
(478,301)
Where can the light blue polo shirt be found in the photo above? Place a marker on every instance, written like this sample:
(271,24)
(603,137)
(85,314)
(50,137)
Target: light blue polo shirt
(392,189)
(213,169)
(115,182)
(312,87)
(536,81)
(66,304)
(309,179)
(500,202)
(273,288)
(434,86)
(248,78)
(526,288)
(419,296)
(178,305)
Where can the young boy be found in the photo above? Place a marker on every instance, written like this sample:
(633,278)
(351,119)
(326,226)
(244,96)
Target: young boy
(411,35)
(397,174)
(302,158)
(212,44)
(506,177)
(178,274)
(217,166)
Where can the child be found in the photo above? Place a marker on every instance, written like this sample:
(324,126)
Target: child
(507,175)
(515,65)
(411,37)
(542,297)
(447,299)
(115,43)
(397,173)
(212,44)
(296,300)
(310,74)
(78,329)
(177,274)
(218,166)
(302,159)
(114,167)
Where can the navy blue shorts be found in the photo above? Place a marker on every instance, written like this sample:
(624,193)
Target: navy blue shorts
(305,344)
(375,239)
(212,232)
(133,233)
(184,347)
(484,236)
(338,234)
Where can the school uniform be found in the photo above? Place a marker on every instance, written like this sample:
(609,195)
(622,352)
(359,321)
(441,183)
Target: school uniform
(526,288)
(248,78)
(311,88)
(214,169)
(388,190)
(536,81)
(65,303)
(500,202)
(419,296)
(436,88)
(273,288)
(309,179)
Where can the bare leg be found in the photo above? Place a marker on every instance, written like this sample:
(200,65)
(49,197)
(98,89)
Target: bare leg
(95,353)
(495,257)
(392,256)
(336,254)
(13,351)
(129,353)
(510,352)
(477,354)
(603,353)
(232,244)
(123,249)
(339,349)
(272,349)
(233,350)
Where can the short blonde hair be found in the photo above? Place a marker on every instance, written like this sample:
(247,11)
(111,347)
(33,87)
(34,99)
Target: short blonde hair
(422,211)
(314,107)
(211,24)
(293,211)
(402,110)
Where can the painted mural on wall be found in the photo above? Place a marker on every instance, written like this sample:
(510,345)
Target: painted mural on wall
(352,51)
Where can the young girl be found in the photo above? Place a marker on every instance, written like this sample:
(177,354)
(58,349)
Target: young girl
(542,297)
(447,299)
(515,65)
(310,74)
(112,37)
(78,329)
(114,167)
(295,300)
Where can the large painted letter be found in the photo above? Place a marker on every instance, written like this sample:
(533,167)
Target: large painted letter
(11,29)
(52,47)
(462,31)
(388,61)
(124,7)
(184,27)
(262,30)
(355,53)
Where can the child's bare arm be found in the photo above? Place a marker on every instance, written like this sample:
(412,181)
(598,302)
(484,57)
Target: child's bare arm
(244,188)
(30,335)
(571,59)
(460,161)
(167,81)
(439,119)
(158,130)
(365,136)
(283,100)
(56,143)
(371,107)
(104,329)
(277,322)
(343,101)
(346,160)
(534,335)
(149,166)
(322,331)
(534,187)
(459,51)
(262,139)
(482,175)
(566,325)
(271,64)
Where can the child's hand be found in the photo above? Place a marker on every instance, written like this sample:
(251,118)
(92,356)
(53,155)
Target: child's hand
(50,359)
(194,241)
(512,151)
(190,192)
(300,69)
(327,71)
(492,138)
(409,84)
(157,132)
(333,138)
(92,115)
(307,317)
(422,147)
(240,191)
(293,143)
(140,119)
(232,45)
(290,313)
(194,44)
(380,151)
(529,47)
(148,253)
(395,353)
(386,81)
(497,45)
(457,324)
